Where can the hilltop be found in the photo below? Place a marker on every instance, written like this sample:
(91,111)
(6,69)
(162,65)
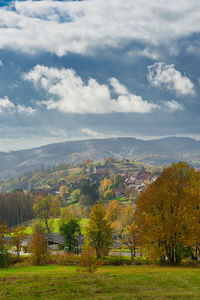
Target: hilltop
(155,152)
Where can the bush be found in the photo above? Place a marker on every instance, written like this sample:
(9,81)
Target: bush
(88,261)
(66,258)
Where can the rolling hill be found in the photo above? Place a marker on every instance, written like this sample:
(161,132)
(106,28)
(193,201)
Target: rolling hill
(156,152)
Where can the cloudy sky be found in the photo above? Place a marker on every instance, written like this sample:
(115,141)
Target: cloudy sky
(74,70)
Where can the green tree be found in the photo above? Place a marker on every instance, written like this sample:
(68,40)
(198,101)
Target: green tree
(46,208)
(70,231)
(99,231)
(109,195)
(75,195)
(118,180)
(90,190)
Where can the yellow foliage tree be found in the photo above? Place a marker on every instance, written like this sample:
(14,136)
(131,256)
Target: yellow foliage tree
(113,211)
(99,231)
(38,246)
(17,238)
(46,208)
(167,213)
(131,238)
(64,190)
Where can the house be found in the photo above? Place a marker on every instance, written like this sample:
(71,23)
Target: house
(55,241)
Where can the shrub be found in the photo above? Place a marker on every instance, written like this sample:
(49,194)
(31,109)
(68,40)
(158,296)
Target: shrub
(88,261)
(66,258)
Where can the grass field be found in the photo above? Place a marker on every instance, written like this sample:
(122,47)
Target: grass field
(123,282)
(56,225)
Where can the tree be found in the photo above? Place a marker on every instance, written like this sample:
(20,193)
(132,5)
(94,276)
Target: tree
(108,195)
(166,213)
(88,260)
(75,195)
(125,219)
(3,247)
(106,183)
(17,238)
(46,208)
(118,180)
(16,208)
(113,211)
(90,190)
(70,231)
(99,231)
(64,190)
(131,238)
(38,246)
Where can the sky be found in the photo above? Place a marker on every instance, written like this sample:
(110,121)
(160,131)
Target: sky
(72,70)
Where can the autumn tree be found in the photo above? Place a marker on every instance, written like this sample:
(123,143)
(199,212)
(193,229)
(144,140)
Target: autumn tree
(46,208)
(88,260)
(17,238)
(165,213)
(113,211)
(64,191)
(99,231)
(131,238)
(38,246)
(3,246)
(106,183)
(125,219)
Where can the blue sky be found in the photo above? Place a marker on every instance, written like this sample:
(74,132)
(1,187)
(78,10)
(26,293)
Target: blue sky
(96,68)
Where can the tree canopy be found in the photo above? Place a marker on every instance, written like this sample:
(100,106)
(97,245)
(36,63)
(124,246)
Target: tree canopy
(99,231)
(168,213)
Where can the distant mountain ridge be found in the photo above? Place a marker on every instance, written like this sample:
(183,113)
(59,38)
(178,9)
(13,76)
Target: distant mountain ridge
(156,152)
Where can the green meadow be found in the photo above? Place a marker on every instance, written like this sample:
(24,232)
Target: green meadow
(109,282)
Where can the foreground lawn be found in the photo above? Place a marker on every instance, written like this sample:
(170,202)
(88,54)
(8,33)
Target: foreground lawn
(123,282)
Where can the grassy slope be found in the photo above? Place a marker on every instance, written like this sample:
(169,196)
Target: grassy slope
(124,282)
(55,225)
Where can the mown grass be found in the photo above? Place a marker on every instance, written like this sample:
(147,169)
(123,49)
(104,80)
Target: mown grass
(123,282)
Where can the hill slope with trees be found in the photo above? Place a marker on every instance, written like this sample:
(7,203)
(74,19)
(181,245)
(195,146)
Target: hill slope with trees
(156,152)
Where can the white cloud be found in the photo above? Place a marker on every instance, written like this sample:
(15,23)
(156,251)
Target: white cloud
(173,105)
(7,106)
(1,63)
(21,109)
(149,53)
(83,26)
(160,75)
(69,94)
(118,87)
(92,133)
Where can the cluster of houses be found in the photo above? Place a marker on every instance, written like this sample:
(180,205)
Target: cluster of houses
(56,241)
(136,180)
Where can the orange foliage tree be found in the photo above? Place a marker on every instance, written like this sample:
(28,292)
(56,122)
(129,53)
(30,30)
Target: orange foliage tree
(168,213)
(106,183)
